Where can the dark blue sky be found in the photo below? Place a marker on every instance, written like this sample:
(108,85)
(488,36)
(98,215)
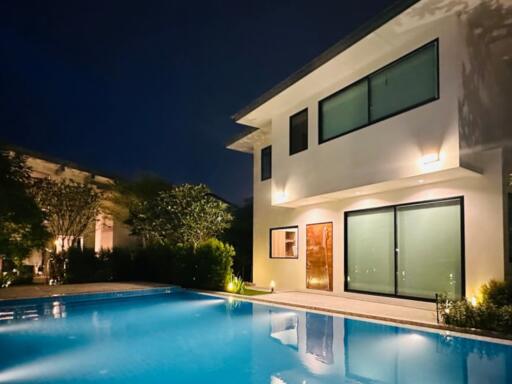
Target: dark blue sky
(129,87)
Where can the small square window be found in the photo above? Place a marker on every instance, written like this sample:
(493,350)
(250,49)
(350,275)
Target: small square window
(266,163)
(299,132)
(284,243)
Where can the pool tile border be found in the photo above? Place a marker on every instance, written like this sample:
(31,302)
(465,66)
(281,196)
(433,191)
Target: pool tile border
(88,296)
(473,333)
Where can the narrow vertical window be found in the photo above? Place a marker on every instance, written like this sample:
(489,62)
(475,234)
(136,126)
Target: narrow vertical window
(266,163)
(299,132)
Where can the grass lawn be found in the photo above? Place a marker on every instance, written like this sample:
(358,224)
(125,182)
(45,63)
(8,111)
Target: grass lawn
(253,292)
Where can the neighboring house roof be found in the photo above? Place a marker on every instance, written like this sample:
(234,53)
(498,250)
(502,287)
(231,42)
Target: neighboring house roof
(382,18)
(50,159)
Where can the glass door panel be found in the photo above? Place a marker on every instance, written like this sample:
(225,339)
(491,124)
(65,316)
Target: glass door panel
(429,249)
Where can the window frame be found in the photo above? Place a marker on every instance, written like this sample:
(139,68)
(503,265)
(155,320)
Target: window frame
(269,149)
(270,242)
(460,199)
(290,131)
(367,79)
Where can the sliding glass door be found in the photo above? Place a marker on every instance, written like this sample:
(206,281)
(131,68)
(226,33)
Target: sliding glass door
(371,248)
(429,249)
(410,250)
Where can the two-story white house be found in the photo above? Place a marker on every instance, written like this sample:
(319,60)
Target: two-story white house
(382,168)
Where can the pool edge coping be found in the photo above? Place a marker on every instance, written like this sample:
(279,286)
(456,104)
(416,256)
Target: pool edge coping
(26,300)
(454,331)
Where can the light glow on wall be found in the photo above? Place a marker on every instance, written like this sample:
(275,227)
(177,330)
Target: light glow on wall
(281,197)
(432,162)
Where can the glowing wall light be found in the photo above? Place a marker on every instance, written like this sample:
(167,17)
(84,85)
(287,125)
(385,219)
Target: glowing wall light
(431,161)
(281,197)
(272,285)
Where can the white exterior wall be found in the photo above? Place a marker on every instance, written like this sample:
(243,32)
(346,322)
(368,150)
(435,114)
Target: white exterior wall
(386,152)
(483,211)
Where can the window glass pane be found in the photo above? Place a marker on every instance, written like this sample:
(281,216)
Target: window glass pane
(344,111)
(299,132)
(406,83)
(370,251)
(283,242)
(266,163)
(429,249)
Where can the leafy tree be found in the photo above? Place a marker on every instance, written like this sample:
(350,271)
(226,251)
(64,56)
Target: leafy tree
(185,214)
(70,207)
(21,220)
(131,203)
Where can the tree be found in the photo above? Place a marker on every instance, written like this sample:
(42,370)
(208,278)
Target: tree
(70,207)
(185,214)
(131,204)
(21,221)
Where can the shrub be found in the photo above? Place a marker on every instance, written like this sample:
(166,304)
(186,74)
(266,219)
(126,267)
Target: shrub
(22,274)
(117,264)
(156,263)
(235,284)
(214,261)
(497,293)
(493,312)
(206,267)
(82,266)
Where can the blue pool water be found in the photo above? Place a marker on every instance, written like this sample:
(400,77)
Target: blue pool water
(185,337)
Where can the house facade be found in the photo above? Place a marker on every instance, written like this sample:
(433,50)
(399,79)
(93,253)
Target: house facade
(382,168)
(106,232)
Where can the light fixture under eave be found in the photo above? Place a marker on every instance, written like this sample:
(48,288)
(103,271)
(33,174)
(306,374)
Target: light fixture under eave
(430,158)
(281,197)
(431,162)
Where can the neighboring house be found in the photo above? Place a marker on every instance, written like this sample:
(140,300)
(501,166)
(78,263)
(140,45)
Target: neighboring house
(107,232)
(381,168)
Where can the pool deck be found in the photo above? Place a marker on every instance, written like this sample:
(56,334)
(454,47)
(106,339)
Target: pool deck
(43,290)
(422,316)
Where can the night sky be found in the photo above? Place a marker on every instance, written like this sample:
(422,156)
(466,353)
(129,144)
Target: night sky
(133,87)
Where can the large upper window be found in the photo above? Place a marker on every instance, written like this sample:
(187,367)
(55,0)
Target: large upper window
(408,82)
(412,250)
(344,111)
(266,163)
(404,84)
(299,132)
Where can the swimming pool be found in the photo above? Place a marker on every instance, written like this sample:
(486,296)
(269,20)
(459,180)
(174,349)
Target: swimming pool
(185,337)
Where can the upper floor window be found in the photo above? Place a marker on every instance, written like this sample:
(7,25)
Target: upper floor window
(266,163)
(409,82)
(299,132)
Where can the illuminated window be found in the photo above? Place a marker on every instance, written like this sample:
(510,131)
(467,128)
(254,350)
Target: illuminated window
(284,243)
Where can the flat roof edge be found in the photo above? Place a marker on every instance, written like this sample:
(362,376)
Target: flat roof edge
(359,33)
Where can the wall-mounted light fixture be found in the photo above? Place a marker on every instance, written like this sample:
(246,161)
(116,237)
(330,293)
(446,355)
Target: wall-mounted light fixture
(272,286)
(281,197)
(431,162)
(430,158)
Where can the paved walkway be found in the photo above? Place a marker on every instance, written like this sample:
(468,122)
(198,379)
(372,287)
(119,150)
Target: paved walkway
(353,307)
(43,290)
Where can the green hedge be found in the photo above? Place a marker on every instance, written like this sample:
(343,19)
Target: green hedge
(207,267)
(492,312)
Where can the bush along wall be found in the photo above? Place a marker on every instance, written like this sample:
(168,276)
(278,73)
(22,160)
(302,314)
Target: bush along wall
(492,311)
(208,266)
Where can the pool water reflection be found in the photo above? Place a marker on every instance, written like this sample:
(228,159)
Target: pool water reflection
(186,337)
